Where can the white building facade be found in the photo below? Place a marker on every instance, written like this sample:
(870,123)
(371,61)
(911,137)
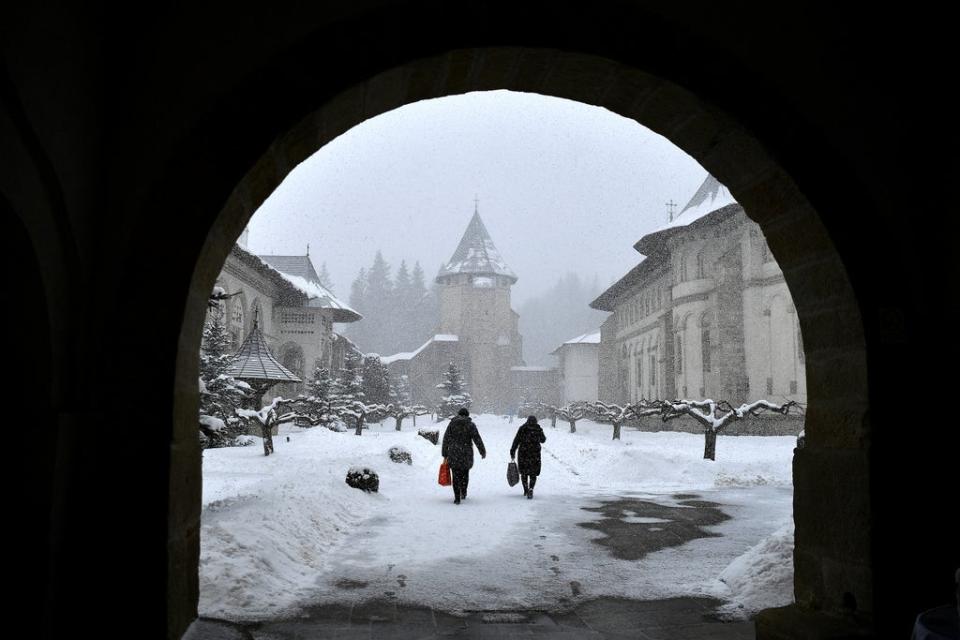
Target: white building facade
(706,314)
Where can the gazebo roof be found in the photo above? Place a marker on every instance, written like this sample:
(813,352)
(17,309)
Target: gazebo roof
(255,362)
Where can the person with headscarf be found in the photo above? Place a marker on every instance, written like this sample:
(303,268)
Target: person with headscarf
(457,449)
(527,444)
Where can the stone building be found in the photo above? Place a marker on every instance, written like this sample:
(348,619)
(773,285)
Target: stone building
(579,368)
(705,314)
(477,329)
(294,311)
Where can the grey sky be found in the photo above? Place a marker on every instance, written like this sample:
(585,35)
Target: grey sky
(562,186)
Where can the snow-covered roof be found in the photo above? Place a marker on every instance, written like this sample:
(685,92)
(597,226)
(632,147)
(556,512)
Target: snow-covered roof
(476,254)
(319,297)
(294,265)
(299,271)
(709,198)
(254,361)
(587,338)
(646,269)
(409,355)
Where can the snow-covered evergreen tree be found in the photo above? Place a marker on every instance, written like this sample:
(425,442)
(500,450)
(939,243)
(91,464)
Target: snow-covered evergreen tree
(322,390)
(376,380)
(455,395)
(220,394)
(351,404)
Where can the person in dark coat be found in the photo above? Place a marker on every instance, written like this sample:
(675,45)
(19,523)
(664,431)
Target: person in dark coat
(527,442)
(458,441)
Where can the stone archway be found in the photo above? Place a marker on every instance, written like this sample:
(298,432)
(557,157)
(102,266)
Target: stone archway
(832,554)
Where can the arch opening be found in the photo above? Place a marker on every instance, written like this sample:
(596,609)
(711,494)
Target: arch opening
(727,152)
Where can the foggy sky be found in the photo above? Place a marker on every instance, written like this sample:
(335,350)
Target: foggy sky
(561,186)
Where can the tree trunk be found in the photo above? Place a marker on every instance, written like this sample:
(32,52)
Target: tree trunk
(710,445)
(616,430)
(553,421)
(359,430)
(267,432)
(414,420)
(573,426)
(399,419)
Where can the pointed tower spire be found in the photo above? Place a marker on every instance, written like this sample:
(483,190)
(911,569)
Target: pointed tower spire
(476,254)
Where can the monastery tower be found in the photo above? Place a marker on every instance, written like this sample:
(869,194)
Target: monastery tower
(474,296)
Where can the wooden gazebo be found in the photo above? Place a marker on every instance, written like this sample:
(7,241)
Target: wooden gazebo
(255,365)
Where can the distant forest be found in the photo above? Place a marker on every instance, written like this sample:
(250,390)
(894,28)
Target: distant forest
(556,315)
(401,311)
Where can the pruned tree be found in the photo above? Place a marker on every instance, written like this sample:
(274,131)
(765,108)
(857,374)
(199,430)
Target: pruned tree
(359,413)
(455,396)
(573,412)
(715,416)
(267,417)
(539,409)
(616,414)
(398,411)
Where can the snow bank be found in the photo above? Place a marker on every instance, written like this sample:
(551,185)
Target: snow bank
(281,532)
(759,579)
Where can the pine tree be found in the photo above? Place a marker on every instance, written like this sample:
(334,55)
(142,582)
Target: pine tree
(376,380)
(221,395)
(455,396)
(322,390)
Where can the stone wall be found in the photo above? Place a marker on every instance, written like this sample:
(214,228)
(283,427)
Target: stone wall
(765,425)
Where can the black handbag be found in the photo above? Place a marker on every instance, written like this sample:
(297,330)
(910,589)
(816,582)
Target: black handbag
(513,474)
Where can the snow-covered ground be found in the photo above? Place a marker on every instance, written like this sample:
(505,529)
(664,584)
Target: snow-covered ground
(284,532)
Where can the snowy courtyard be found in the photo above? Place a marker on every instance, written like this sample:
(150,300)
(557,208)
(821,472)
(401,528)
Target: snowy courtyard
(644,517)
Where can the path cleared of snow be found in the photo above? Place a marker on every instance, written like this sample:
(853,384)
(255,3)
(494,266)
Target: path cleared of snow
(284,532)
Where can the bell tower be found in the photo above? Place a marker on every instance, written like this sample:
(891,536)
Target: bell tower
(474,296)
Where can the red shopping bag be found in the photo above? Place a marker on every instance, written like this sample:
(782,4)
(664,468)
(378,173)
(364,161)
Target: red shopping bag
(444,478)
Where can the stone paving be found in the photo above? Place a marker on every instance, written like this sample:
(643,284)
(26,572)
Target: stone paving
(602,618)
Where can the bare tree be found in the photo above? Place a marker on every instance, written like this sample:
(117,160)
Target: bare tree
(616,414)
(267,417)
(398,411)
(715,416)
(573,412)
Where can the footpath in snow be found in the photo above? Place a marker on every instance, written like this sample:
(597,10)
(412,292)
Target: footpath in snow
(284,532)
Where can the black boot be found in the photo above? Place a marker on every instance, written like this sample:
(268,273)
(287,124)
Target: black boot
(523,480)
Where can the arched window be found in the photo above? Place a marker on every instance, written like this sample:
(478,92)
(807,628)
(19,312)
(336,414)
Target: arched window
(236,312)
(683,268)
(701,272)
(705,345)
(679,353)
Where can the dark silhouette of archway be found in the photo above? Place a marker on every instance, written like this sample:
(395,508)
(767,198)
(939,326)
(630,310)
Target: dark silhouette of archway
(124,149)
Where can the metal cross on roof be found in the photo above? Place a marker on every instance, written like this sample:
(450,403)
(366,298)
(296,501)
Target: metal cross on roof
(671,208)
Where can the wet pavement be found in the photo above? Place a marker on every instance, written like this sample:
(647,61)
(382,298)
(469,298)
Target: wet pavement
(632,527)
(601,618)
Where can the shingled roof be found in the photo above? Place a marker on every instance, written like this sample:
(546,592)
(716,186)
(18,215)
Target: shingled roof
(711,199)
(476,254)
(254,362)
(300,266)
(299,271)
